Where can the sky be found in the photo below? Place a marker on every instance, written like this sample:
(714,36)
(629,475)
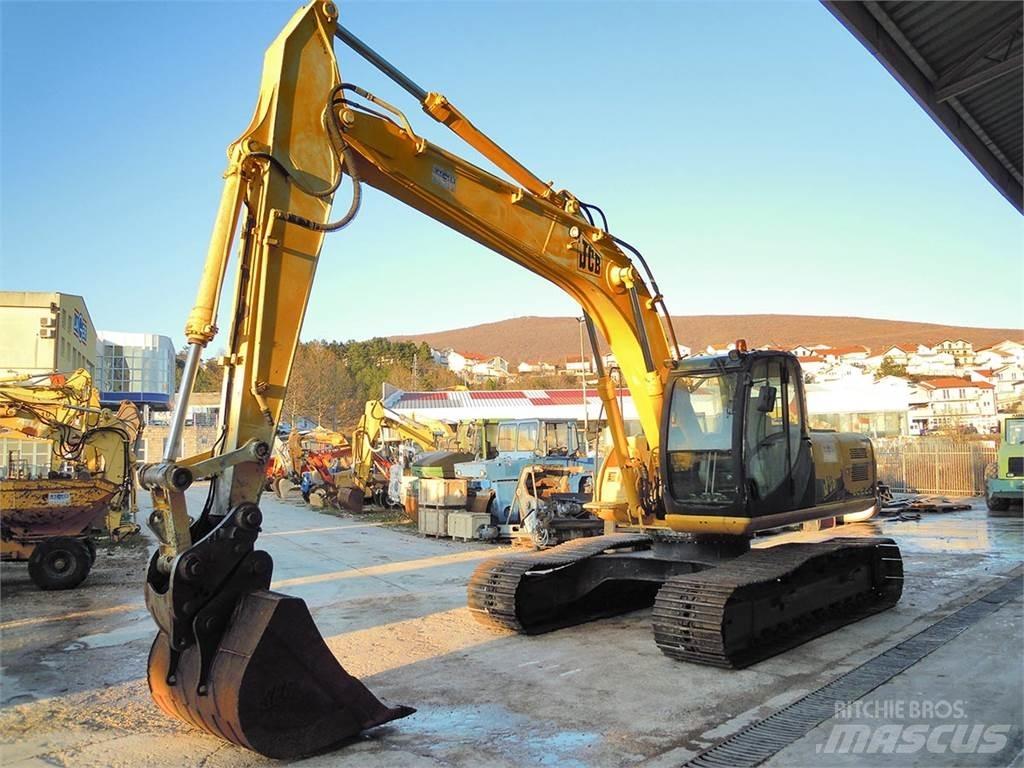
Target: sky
(755,153)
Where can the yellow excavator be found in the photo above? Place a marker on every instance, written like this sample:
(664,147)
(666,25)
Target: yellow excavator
(725,451)
(428,434)
(47,520)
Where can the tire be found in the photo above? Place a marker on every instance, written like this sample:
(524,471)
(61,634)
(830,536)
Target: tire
(90,545)
(997,504)
(59,563)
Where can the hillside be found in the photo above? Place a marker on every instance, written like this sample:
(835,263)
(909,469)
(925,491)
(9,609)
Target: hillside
(554,338)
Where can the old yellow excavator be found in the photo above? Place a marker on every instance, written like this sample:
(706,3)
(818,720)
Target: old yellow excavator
(46,520)
(428,434)
(725,452)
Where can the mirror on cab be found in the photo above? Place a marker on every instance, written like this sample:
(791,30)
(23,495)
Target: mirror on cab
(766,399)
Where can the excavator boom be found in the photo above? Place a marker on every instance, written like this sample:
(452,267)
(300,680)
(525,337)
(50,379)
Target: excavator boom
(232,657)
(365,439)
(248,664)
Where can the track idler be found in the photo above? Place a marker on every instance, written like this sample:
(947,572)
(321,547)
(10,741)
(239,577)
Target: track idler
(242,662)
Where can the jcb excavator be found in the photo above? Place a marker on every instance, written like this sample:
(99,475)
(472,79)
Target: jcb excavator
(428,435)
(725,450)
(46,520)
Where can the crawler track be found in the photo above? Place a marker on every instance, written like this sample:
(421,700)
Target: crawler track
(769,600)
(497,597)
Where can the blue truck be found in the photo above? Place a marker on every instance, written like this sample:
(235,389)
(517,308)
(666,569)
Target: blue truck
(514,446)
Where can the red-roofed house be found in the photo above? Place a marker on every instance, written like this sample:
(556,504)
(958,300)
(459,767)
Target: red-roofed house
(961,350)
(948,401)
(812,366)
(845,354)
(536,366)
(579,365)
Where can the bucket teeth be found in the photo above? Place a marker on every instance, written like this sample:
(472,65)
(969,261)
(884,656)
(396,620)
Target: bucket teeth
(273,684)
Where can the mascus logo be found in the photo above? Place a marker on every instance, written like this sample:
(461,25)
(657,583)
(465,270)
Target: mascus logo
(589,260)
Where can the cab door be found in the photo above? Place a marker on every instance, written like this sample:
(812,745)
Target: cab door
(778,465)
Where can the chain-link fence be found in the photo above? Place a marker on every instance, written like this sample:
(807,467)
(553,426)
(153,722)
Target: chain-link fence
(934,464)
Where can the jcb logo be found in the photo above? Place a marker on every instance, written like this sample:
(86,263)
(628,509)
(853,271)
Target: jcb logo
(589,261)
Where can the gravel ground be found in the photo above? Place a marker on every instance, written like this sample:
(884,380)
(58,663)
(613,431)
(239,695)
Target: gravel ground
(392,608)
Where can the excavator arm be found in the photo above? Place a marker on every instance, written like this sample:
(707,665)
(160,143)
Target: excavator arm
(365,440)
(227,645)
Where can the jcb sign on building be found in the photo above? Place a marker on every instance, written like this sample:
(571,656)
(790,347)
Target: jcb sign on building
(45,332)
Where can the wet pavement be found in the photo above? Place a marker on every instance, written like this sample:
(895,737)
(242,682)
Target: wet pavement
(392,608)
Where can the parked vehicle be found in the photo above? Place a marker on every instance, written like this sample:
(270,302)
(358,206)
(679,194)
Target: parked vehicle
(1005,483)
(521,443)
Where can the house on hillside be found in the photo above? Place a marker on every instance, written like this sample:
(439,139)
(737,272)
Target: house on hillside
(804,350)
(950,402)
(812,366)
(459,362)
(533,367)
(579,365)
(875,408)
(961,350)
(1003,353)
(848,354)
(841,370)
(494,368)
(926,362)
(1009,383)
(720,348)
(899,353)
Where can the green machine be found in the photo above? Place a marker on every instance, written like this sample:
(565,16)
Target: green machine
(1006,485)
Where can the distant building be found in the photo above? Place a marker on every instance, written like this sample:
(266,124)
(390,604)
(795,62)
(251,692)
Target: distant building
(876,408)
(507,404)
(927,362)
(1003,353)
(579,365)
(851,354)
(137,367)
(45,332)
(899,353)
(950,402)
(812,366)
(719,347)
(198,434)
(494,368)
(461,362)
(536,366)
(961,350)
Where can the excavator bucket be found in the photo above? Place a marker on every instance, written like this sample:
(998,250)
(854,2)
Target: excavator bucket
(351,498)
(273,685)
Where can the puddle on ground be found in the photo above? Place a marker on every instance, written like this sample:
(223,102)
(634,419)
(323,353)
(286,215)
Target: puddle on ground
(519,739)
(136,631)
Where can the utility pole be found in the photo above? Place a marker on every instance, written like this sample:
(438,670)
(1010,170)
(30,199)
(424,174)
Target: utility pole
(583,381)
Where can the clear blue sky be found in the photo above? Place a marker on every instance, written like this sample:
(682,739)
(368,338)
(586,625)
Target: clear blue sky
(760,158)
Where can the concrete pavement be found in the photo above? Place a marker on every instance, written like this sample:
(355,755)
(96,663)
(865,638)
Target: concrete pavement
(392,608)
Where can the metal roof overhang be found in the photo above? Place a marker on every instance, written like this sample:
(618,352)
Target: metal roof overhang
(962,62)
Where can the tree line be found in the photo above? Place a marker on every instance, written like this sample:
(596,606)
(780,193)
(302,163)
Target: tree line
(332,380)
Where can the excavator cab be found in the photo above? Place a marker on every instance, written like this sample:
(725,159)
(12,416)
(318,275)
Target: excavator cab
(736,441)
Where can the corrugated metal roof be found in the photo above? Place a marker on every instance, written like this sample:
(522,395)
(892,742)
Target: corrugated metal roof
(962,62)
(507,404)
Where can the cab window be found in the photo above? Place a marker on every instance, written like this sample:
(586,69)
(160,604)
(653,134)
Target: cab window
(764,432)
(506,438)
(528,436)
(556,439)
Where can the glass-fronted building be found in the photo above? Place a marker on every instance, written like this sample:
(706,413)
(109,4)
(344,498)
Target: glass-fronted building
(137,367)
